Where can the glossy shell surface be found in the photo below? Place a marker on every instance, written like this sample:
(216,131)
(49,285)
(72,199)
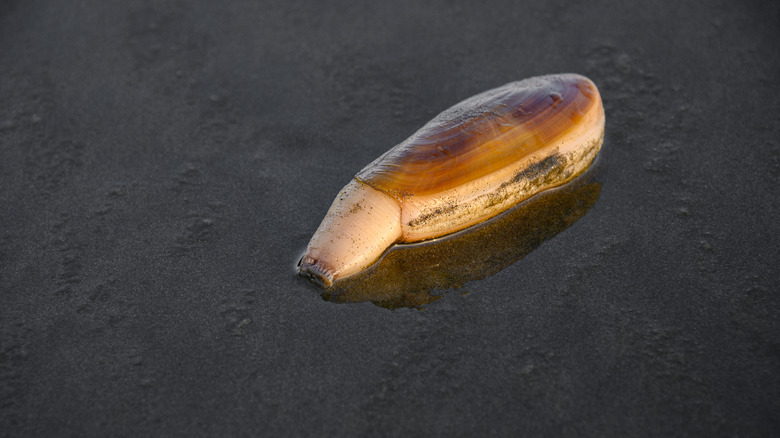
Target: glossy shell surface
(483,134)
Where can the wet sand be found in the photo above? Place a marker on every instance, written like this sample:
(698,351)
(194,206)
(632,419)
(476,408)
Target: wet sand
(163,165)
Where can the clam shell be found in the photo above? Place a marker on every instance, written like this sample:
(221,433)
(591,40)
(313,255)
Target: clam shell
(487,153)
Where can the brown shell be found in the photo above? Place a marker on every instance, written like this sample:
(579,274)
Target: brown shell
(483,134)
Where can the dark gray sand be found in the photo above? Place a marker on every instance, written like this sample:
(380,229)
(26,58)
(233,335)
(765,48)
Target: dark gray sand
(164,163)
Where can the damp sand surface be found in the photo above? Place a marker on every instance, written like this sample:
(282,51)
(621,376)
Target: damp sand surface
(163,164)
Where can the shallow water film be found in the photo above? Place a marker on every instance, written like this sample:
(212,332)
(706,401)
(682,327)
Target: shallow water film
(417,274)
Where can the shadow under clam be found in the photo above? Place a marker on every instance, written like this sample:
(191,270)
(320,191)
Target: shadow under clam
(413,275)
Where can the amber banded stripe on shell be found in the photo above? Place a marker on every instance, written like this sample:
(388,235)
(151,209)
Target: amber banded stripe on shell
(482,134)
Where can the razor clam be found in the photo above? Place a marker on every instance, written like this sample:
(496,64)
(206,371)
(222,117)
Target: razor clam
(470,163)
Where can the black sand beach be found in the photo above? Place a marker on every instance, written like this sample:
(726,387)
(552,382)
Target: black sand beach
(164,164)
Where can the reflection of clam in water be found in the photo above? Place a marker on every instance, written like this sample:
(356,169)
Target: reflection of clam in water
(408,274)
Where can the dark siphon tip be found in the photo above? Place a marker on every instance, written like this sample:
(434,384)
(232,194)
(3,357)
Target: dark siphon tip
(316,271)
